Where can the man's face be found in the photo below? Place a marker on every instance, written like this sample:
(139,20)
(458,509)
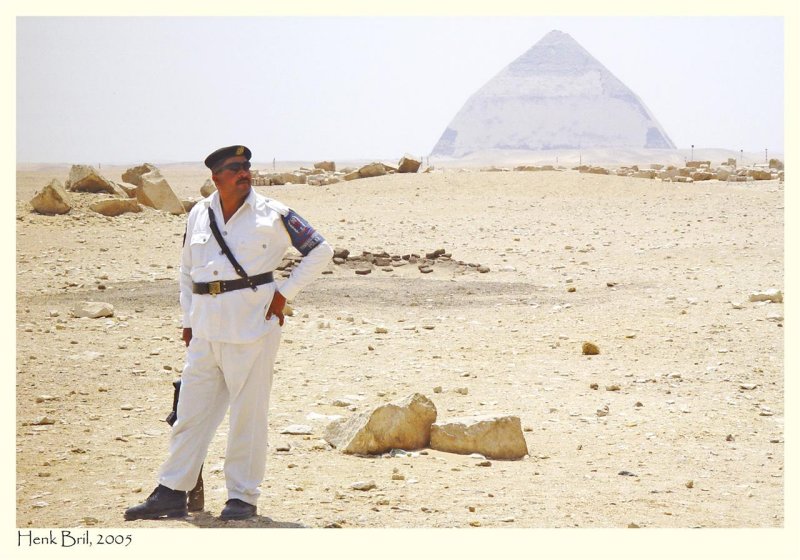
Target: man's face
(229,181)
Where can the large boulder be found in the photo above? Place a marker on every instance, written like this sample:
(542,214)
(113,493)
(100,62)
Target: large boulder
(134,174)
(208,188)
(156,193)
(115,206)
(645,174)
(284,178)
(372,170)
(52,199)
(326,166)
(494,436)
(403,424)
(759,174)
(85,178)
(408,164)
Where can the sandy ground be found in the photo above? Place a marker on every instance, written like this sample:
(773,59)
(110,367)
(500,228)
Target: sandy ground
(655,267)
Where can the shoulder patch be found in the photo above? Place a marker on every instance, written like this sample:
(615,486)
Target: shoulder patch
(304,237)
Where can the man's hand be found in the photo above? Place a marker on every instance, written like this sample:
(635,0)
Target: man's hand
(276,307)
(187,336)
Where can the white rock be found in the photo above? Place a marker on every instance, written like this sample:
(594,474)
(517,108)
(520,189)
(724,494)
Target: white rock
(363,485)
(298,430)
(93,309)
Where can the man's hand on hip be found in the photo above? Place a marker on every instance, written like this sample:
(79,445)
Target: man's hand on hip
(187,336)
(276,307)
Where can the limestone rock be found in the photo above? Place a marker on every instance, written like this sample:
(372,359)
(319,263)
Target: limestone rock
(133,175)
(493,436)
(644,174)
(128,188)
(352,175)
(93,309)
(408,164)
(52,199)
(208,188)
(325,166)
(115,206)
(372,170)
(403,424)
(773,295)
(188,204)
(759,174)
(156,193)
(85,178)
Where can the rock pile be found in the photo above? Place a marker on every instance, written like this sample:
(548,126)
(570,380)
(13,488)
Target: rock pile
(141,185)
(325,173)
(367,261)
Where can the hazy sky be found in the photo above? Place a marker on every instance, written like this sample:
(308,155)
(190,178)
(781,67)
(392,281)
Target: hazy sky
(132,89)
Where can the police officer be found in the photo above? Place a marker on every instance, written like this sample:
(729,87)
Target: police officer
(232,319)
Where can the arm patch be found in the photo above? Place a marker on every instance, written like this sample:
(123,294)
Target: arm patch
(304,237)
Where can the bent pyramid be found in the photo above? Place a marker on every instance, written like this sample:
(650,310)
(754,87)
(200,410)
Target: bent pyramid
(554,96)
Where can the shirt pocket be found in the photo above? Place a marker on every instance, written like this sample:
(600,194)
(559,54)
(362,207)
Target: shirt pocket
(201,249)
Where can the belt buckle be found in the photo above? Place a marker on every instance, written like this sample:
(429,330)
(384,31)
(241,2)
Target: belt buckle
(214,288)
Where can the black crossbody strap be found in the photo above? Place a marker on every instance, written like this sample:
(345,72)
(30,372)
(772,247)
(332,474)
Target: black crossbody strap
(218,236)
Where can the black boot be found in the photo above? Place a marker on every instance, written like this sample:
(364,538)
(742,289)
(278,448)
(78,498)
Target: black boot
(162,502)
(237,509)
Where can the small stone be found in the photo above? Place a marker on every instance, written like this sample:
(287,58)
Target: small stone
(398,476)
(363,485)
(483,269)
(437,389)
(298,430)
(484,464)
(612,387)
(381,330)
(594,386)
(363,271)
(773,295)
(571,289)
(590,349)
(690,484)
(475,523)
(126,407)
(626,473)
(602,411)
(729,437)
(748,386)
(461,390)
(633,526)
(43,421)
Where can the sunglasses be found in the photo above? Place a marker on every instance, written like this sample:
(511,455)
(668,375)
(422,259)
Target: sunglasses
(235,167)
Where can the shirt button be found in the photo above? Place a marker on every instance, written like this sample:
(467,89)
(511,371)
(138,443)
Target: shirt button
(215,273)
(224,233)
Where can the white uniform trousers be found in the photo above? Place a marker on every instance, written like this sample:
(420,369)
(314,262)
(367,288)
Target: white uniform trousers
(217,375)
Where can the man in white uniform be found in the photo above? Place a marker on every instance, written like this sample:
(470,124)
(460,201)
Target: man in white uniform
(232,319)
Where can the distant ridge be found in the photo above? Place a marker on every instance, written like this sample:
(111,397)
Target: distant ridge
(554,96)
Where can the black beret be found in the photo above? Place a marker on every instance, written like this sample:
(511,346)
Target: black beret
(218,156)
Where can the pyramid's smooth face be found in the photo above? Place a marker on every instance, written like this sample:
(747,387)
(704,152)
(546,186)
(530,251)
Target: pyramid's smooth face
(555,96)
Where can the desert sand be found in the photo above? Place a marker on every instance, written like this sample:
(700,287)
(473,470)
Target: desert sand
(690,371)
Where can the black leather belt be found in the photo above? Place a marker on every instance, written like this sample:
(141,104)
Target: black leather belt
(222,286)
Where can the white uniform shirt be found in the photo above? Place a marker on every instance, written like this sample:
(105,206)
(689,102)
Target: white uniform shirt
(257,237)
